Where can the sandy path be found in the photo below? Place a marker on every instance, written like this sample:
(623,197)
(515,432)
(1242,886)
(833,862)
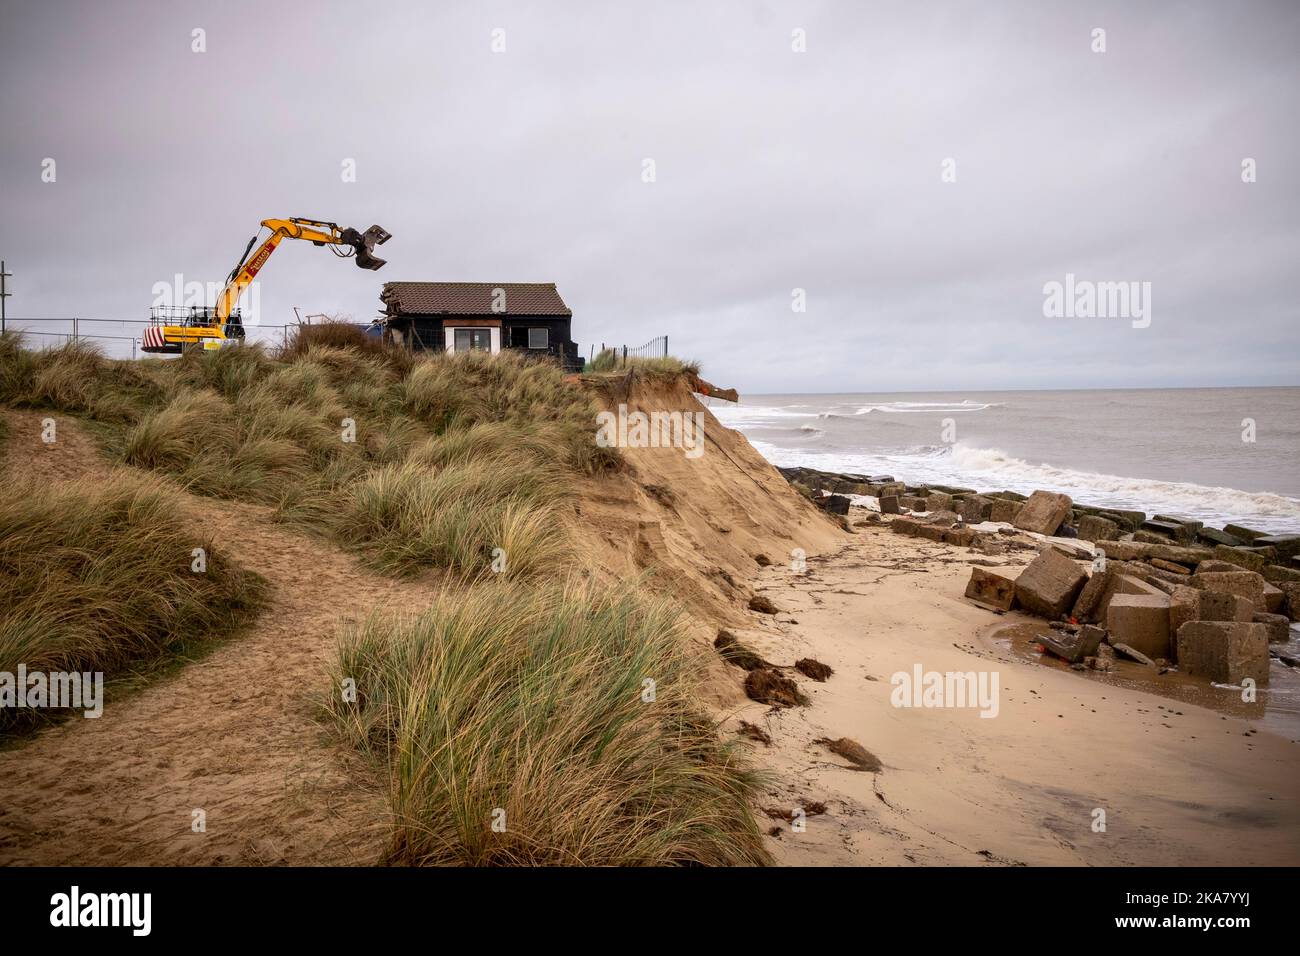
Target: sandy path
(1177,788)
(233,734)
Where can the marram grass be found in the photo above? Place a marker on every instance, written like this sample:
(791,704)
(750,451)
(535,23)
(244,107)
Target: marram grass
(564,715)
(98,576)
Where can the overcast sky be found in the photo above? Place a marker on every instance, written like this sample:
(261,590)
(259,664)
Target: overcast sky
(774,170)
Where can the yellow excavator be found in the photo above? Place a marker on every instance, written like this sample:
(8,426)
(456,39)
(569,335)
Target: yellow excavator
(176,330)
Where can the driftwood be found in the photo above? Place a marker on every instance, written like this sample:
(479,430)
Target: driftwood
(712,391)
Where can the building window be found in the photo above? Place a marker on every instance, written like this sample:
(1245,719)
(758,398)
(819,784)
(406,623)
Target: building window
(538,338)
(470,340)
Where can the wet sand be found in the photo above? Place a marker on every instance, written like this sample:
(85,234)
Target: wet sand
(1182,775)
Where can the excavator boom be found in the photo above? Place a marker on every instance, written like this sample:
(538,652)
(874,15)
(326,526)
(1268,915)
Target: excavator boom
(214,328)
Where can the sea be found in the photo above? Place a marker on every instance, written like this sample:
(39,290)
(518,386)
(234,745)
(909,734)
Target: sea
(1218,455)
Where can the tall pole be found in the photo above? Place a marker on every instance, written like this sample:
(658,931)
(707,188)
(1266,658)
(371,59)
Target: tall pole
(4,294)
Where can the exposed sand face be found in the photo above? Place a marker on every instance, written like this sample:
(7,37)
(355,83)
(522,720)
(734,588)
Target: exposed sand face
(1021,787)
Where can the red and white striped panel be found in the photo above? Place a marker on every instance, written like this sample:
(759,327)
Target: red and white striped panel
(153,337)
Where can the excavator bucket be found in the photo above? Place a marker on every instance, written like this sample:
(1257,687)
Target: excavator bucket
(364,243)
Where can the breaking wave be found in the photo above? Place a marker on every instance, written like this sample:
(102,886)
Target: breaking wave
(990,469)
(897,408)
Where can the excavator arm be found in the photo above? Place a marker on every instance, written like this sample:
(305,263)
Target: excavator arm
(211,331)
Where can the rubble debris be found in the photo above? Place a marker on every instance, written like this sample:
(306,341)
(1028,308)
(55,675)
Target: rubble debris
(1004,509)
(1224,651)
(991,589)
(1133,654)
(1278,625)
(1245,584)
(1049,585)
(1073,647)
(1043,513)
(763,604)
(1140,622)
(1097,528)
(834,504)
(1222,606)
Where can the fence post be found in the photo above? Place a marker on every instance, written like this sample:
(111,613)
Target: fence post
(665,346)
(625,356)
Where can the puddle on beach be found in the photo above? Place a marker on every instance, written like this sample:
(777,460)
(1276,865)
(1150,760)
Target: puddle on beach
(1277,708)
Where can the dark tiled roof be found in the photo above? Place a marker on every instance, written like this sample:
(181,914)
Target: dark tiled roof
(473,298)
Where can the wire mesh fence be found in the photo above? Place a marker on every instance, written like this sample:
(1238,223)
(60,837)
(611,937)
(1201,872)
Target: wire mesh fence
(122,338)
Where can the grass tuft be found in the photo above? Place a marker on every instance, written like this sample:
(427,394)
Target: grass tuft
(532,701)
(665,366)
(96,576)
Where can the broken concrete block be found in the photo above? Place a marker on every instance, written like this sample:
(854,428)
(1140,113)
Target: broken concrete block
(1090,594)
(889,504)
(1190,524)
(1170,566)
(1184,606)
(1060,645)
(1128,520)
(1169,552)
(1275,573)
(1291,606)
(1141,621)
(1090,638)
(992,589)
(913,503)
(1279,627)
(1287,546)
(974,508)
(1226,652)
(835,504)
(1217,564)
(1133,654)
(1273,598)
(1245,584)
(963,537)
(1222,606)
(1245,534)
(1212,537)
(1123,584)
(1242,557)
(1050,584)
(1004,509)
(1073,648)
(938,501)
(1043,512)
(1122,550)
(1169,530)
(1097,528)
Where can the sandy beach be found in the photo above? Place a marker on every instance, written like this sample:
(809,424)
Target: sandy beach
(1180,784)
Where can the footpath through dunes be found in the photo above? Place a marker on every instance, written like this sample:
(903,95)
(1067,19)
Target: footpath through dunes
(233,734)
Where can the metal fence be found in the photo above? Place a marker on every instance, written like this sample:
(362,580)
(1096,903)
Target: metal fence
(121,338)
